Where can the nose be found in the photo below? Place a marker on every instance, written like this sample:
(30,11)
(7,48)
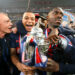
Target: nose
(29,21)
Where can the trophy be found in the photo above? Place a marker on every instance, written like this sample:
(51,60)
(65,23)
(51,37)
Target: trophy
(43,45)
(39,37)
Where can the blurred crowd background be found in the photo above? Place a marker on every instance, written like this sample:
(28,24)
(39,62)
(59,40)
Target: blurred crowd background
(15,8)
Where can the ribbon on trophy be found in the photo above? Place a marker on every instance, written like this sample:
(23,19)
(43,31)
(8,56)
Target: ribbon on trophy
(32,57)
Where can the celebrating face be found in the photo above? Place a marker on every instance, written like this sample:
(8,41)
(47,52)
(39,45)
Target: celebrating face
(5,24)
(28,21)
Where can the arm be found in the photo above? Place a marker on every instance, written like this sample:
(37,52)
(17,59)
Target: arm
(14,57)
(53,66)
(17,63)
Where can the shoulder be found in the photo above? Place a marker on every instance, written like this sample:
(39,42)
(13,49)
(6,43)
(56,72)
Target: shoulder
(13,37)
(18,22)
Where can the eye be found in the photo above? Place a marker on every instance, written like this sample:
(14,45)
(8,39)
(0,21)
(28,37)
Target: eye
(56,12)
(7,21)
(32,19)
(62,14)
(26,18)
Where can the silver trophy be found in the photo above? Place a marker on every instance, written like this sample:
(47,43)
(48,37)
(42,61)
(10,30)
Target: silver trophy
(43,45)
(37,33)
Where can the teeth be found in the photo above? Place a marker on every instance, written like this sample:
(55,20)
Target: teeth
(28,25)
(10,27)
(59,20)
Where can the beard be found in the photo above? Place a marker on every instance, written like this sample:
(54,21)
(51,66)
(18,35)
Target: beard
(54,25)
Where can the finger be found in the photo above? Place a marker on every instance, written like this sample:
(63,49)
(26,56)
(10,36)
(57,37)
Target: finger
(49,59)
(40,68)
(50,36)
(50,69)
(49,40)
(57,36)
(24,70)
(28,68)
(52,41)
(55,40)
(33,68)
(49,64)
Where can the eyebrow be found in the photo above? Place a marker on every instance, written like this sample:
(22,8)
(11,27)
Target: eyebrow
(28,16)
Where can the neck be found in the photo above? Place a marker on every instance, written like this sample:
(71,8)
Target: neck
(54,30)
(2,34)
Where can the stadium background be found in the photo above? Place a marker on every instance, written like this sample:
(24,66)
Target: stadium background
(15,8)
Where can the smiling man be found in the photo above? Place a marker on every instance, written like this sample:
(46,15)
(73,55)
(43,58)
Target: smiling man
(23,27)
(5,28)
(28,21)
(5,25)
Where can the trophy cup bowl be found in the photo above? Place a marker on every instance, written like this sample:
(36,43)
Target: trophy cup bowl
(39,37)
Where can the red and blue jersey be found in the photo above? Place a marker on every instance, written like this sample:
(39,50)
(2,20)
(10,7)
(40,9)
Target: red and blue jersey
(64,56)
(54,47)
